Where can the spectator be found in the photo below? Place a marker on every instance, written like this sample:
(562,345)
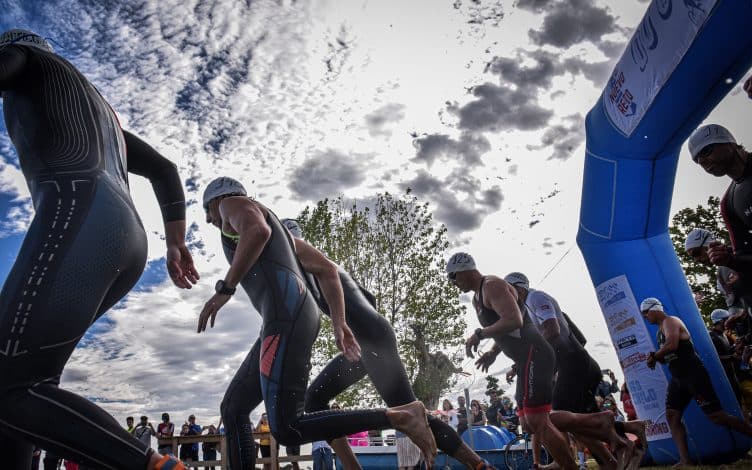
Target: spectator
(165,430)
(605,388)
(626,402)
(210,448)
(509,418)
(265,441)
(295,450)
(186,450)
(609,404)
(358,439)
(724,348)
(476,414)
(461,415)
(35,455)
(143,431)
(195,430)
(492,412)
(69,465)
(449,414)
(322,456)
(129,425)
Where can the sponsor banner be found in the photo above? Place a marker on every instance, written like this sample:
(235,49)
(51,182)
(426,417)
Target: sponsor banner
(658,45)
(632,341)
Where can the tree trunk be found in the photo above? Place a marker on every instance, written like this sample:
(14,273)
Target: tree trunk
(434,372)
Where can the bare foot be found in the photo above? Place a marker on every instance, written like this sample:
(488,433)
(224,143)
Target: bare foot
(638,429)
(634,463)
(412,420)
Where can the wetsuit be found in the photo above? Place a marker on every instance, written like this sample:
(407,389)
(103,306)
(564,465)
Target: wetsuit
(726,354)
(533,358)
(578,373)
(84,250)
(278,290)
(689,378)
(736,209)
(379,360)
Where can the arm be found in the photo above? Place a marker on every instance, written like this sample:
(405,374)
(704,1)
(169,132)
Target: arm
(12,62)
(748,87)
(502,298)
(672,331)
(143,160)
(325,271)
(545,311)
(247,219)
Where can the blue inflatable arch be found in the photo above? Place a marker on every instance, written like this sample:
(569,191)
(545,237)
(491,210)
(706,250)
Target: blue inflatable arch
(684,57)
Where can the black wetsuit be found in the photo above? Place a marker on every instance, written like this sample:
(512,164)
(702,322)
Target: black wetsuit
(84,250)
(278,290)
(578,374)
(736,209)
(532,355)
(689,378)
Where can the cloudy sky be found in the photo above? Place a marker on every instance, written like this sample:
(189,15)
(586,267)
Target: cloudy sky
(476,105)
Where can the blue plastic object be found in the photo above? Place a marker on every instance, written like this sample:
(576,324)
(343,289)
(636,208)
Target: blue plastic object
(487,437)
(684,57)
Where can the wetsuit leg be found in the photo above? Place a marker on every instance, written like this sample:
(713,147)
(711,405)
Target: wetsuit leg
(380,361)
(289,331)
(16,452)
(535,379)
(84,250)
(242,396)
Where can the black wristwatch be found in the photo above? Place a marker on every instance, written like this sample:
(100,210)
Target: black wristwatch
(479,333)
(221,288)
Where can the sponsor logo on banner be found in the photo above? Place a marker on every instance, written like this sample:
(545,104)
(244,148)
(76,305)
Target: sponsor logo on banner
(659,43)
(633,343)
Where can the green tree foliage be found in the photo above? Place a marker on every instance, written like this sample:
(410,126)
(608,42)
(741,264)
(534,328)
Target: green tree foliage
(492,385)
(393,248)
(701,277)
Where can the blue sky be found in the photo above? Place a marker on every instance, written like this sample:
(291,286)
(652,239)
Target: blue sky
(478,106)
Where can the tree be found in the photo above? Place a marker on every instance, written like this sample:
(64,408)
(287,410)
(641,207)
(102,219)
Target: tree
(701,277)
(492,385)
(393,248)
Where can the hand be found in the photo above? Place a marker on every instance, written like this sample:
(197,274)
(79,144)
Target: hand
(180,266)
(511,375)
(485,361)
(471,345)
(719,254)
(651,360)
(210,310)
(611,375)
(347,343)
(748,87)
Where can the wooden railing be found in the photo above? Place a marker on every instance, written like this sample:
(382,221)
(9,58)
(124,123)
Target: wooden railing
(274,459)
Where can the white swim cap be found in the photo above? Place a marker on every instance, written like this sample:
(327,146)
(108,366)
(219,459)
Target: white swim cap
(223,186)
(293,226)
(706,135)
(517,279)
(651,303)
(697,238)
(718,315)
(24,38)
(460,262)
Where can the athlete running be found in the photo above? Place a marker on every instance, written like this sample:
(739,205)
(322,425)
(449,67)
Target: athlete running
(84,250)
(578,374)
(263,261)
(689,378)
(379,360)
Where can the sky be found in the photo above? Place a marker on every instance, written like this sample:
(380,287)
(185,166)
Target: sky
(477,106)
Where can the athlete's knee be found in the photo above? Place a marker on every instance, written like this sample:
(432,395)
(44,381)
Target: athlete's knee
(232,405)
(315,400)
(286,436)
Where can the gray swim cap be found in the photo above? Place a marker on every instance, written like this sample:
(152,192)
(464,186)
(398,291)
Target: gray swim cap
(651,303)
(223,186)
(294,227)
(24,38)
(719,314)
(518,279)
(706,135)
(460,262)
(697,238)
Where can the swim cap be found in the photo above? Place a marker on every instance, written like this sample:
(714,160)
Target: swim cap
(460,262)
(651,303)
(706,135)
(517,279)
(718,315)
(223,186)
(293,226)
(24,38)
(697,238)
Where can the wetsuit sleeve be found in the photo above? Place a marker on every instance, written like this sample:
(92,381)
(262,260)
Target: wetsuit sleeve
(741,262)
(12,61)
(144,161)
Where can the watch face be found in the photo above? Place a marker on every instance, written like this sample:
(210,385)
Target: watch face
(219,286)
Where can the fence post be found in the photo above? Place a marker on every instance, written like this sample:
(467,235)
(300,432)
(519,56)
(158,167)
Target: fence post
(222,447)
(274,453)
